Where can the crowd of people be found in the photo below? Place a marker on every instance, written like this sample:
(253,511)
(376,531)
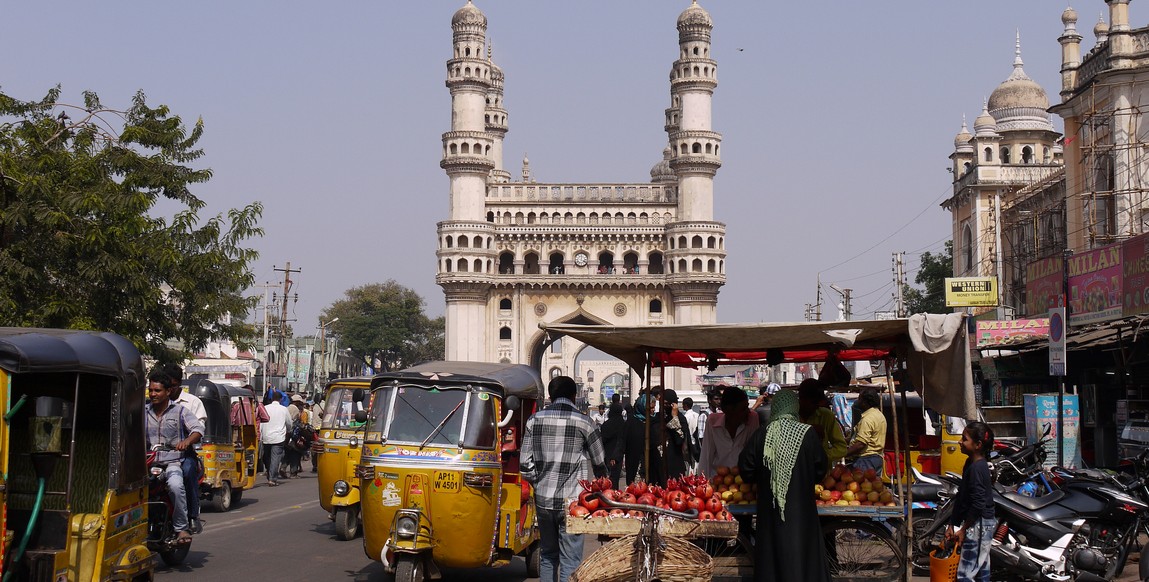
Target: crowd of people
(786,441)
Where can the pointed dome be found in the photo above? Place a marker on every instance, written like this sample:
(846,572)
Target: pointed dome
(1018,90)
(469,15)
(662,173)
(1101,29)
(961,141)
(985,125)
(695,14)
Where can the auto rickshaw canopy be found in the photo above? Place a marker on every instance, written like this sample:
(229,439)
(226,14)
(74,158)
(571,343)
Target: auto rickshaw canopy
(501,379)
(935,348)
(27,349)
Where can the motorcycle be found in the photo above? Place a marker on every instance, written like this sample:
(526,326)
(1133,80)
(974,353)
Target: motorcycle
(161,513)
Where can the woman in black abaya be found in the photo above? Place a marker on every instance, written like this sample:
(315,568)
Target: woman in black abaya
(786,459)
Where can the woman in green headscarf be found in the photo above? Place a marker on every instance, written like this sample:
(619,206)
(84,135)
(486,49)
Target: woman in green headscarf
(786,459)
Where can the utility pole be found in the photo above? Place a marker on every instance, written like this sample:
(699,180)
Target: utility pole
(899,285)
(818,305)
(847,310)
(281,363)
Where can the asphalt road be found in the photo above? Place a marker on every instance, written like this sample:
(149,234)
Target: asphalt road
(281,533)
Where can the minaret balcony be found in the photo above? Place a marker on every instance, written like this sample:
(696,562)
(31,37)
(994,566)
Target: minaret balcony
(681,85)
(467,163)
(695,163)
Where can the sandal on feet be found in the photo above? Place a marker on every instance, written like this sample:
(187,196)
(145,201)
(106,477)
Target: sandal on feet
(183,538)
(272,483)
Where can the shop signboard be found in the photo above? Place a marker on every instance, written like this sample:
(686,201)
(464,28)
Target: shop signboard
(971,291)
(1095,285)
(1135,271)
(1042,285)
(1002,333)
(1040,410)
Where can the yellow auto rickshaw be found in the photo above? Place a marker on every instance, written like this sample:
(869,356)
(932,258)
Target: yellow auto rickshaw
(439,473)
(229,456)
(338,450)
(73,480)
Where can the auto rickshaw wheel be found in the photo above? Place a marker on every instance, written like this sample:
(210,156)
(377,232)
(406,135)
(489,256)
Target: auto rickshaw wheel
(409,568)
(176,555)
(236,496)
(221,497)
(532,559)
(347,522)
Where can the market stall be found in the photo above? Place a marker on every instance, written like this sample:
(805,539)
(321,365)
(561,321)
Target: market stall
(870,541)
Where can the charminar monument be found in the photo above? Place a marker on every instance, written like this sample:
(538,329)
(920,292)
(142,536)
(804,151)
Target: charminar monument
(516,253)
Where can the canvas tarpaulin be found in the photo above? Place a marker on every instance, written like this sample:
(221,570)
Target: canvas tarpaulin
(939,355)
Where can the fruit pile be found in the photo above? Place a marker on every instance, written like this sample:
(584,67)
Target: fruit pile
(682,495)
(845,487)
(730,487)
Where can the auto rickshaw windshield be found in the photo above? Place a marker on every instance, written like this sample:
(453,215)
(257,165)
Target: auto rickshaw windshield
(339,409)
(430,416)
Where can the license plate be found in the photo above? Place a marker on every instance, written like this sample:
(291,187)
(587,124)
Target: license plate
(447,481)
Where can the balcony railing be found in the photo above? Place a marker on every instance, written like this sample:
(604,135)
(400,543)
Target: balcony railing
(583,192)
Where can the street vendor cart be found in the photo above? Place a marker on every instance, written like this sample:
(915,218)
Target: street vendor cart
(863,541)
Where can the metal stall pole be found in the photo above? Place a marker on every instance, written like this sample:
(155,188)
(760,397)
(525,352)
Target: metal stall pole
(646,415)
(901,461)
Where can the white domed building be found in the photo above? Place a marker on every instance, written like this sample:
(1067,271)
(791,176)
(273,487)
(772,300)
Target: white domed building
(516,253)
(1004,175)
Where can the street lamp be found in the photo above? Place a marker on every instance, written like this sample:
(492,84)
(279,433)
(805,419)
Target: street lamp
(323,350)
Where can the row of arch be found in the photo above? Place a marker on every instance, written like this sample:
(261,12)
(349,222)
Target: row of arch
(579,218)
(705,52)
(605,266)
(465,242)
(557,261)
(499,120)
(459,71)
(697,242)
(698,148)
(1027,155)
(465,148)
(704,71)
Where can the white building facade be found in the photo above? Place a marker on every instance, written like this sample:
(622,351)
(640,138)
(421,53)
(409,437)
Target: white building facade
(516,253)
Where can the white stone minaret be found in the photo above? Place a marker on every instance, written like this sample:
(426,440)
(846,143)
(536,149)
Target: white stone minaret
(696,249)
(466,254)
(496,120)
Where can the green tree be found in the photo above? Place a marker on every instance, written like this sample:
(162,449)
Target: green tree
(385,323)
(81,245)
(931,276)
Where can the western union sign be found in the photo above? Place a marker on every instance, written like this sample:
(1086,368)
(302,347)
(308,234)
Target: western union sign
(971,291)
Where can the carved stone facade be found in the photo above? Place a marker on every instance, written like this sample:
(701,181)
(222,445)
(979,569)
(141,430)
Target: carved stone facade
(514,254)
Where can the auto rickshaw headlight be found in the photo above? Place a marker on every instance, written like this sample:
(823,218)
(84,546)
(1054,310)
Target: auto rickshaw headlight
(353,441)
(342,488)
(406,526)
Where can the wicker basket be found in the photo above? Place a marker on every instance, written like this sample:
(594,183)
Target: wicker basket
(618,561)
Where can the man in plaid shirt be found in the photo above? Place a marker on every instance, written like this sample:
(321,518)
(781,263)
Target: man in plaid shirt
(561,446)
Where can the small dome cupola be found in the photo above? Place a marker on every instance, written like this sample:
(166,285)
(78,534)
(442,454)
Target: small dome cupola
(962,140)
(469,15)
(985,125)
(1069,17)
(695,15)
(1101,29)
(662,173)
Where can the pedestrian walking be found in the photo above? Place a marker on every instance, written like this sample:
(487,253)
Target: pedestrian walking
(273,435)
(612,433)
(560,446)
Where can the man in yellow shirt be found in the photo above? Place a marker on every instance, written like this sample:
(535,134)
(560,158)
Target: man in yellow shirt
(811,395)
(870,434)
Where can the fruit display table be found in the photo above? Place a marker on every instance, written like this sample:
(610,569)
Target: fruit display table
(667,526)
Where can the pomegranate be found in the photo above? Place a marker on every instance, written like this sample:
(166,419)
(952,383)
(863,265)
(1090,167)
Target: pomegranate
(696,503)
(705,516)
(585,498)
(578,510)
(676,500)
(713,505)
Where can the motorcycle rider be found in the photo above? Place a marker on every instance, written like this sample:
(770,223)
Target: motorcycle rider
(974,509)
(172,424)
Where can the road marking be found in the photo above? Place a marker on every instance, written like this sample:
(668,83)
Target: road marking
(262,517)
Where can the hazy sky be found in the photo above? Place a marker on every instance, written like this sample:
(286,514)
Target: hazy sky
(837,119)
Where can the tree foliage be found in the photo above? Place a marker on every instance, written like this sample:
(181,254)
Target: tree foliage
(81,245)
(384,325)
(931,276)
